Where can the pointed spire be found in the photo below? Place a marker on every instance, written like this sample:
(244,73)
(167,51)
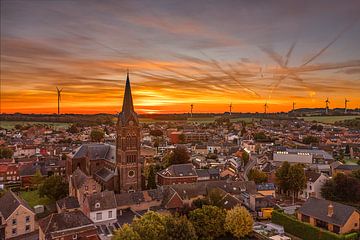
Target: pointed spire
(128,102)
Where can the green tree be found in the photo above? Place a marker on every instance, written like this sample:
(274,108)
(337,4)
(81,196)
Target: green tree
(97,135)
(311,139)
(342,188)
(356,174)
(257,176)
(54,188)
(208,221)
(182,138)
(6,152)
(214,197)
(180,155)
(245,157)
(239,222)
(282,175)
(296,178)
(126,232)
(156,133)
(73,129)
(37,179)
(179,228)
(151,226)
(151,179)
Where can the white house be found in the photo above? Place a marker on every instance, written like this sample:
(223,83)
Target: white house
(101,207)
(314,182)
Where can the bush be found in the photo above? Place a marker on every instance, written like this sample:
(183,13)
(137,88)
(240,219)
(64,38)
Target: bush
(305,230)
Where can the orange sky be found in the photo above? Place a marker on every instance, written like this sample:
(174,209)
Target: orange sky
(178,56)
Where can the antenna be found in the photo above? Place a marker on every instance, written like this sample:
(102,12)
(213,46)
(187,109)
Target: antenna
(230,106)
(191,109)
(327,102)
(346,101)
(265,107)
(59,98)
(293,106)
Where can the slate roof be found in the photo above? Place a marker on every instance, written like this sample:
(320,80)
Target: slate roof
(348,167)
(202,173)
(125,199)
(64,221)
(9,202)
(179,170)
(78,178)
(105,174)
(127,113)
(312,176)
(95,151)
(318,208)
(30,169)
(106,199)
(68,203)
(265,187)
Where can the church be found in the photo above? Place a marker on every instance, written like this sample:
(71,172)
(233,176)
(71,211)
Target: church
(114,168)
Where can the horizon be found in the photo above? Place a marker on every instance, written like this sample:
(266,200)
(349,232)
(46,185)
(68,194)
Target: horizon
(210,54)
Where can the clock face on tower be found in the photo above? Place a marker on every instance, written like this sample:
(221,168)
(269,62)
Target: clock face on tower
(131,173)
(131,123)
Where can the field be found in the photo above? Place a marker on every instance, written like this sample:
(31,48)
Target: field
(328,119)
(11,124)
(196,120)
(33,198)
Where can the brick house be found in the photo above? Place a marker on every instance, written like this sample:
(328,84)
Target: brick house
(332,216)
(67,226)
(9,172)
(100,207)
(17,215)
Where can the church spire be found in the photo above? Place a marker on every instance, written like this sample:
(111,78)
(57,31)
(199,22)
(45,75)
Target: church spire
(127,113)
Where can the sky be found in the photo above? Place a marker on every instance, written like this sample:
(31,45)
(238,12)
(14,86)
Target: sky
(207,53)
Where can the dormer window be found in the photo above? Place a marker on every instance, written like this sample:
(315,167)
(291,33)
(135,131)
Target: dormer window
(97,205)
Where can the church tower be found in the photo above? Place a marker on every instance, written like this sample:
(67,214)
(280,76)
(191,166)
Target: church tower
(128,173)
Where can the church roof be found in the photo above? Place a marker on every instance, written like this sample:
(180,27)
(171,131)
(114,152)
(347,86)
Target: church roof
(127,113)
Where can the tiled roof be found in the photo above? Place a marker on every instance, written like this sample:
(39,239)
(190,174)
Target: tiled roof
(104,200)
(179,170)
(10,202)
(68,203)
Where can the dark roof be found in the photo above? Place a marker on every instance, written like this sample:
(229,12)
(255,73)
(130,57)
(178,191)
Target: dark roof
(127,113)
(179,170)
(105,174)
(105,200)
(348,167)
(78,178)
(318,208)
(202,173)
(9,202)
(68,203)
(64,221)
(312,176)
(30,169)
(214,171)
(95,151)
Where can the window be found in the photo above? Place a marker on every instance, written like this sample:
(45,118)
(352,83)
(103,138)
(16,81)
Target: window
(14,221)
(27,228)
(27,219)
(94,187)
(110,214)
(97,205)
(14,231)
(98,216)
(86,188)
(75,237)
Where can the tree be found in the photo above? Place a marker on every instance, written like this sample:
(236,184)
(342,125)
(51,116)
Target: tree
(208,221)
(54,188)
(151,180)
(239,222)
(126,232)
(342,188)
(296,178)
(97,135)
(179,155)
(245,157)
(182,138)
(257,176)
(63,156)
(156,133)
(179,228)
(311,139)
(214,197)
(73,129)
(151,226)
(6,152)
(356,174)
(37,179)
(282,176)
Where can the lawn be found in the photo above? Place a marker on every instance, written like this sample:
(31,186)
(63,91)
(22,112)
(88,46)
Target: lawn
(11,124)
(33,198)
(328,119)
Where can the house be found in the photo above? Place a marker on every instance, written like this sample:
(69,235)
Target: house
(81,185)
(314,183)
(345,169)
(101,207)
(332,216)
(67,226)
(266,189)
(305,156)
(9,172)
(177,173)
(67,204)
(17,215)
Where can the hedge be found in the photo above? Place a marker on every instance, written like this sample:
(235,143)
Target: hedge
(305,230)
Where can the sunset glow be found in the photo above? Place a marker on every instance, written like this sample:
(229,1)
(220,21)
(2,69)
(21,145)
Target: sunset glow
(206,53)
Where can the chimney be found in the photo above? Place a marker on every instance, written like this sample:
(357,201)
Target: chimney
(330,210)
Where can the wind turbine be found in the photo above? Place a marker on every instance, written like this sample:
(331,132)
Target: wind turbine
(293,106)
(346,101)
(265,107)
(327,102)
(230,106)
(191,109)
(59,98)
